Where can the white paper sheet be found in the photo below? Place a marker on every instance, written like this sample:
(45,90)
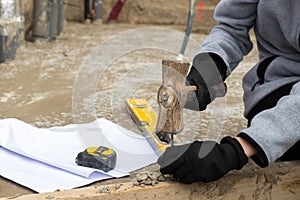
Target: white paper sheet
(44,159)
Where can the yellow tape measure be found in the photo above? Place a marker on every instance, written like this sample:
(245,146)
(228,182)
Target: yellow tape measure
(101,157)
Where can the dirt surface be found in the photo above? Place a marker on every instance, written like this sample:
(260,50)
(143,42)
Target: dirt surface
(38,86)
(279,181)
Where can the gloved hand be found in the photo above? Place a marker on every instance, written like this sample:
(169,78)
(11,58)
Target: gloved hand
(202,161)
(207,73)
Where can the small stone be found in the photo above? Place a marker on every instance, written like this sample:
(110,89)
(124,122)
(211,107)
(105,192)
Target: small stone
(281,165)
(135,183)
(154,183)
(117,186)
(147,182)
(49,197)
(105,189)
(161,178)
(141,177)
(153,176)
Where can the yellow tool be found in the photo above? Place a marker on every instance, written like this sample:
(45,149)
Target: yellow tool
(145,118)
(102,158)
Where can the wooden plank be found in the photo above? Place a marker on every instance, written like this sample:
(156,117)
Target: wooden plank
(279,181)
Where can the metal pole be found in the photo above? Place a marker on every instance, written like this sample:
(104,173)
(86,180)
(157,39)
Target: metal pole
(3,40)
(86,9)
(41,17)
(53,20)
(187,30)
(97,6)
(12,46)
(61,16)
(8,41)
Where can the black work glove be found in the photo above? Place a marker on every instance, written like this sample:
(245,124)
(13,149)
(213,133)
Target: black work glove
(208,74)
(202,161)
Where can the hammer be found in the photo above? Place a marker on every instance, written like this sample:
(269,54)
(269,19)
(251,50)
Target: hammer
(172,96)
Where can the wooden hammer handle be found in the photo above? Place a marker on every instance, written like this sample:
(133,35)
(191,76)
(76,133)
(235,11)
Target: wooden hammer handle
(220,89)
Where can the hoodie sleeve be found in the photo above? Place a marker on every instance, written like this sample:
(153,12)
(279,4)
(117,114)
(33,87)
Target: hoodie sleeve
(272,132)
(230,38)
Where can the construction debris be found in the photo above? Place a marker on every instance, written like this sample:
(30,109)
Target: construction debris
(118,186)
(150,178)
(105,189)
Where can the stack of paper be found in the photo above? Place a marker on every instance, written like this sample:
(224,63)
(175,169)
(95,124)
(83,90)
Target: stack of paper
(44,159)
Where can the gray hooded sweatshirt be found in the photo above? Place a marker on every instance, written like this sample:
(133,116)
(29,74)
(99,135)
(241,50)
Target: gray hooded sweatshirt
(276,25)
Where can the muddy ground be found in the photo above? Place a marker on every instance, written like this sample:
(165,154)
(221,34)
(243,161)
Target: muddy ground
(38,86)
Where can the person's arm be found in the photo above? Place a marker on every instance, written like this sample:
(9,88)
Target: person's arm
(272,132)
(224,48)
(230,38)
(248,148)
